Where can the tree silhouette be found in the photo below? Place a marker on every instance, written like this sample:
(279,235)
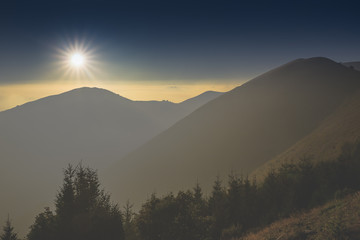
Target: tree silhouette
(8,231)
(218,209)
(83,211)
(45,227)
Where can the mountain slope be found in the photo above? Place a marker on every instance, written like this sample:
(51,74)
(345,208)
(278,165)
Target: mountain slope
(240,130)
(338,219)
(326,141)
(91,125)
(88,124)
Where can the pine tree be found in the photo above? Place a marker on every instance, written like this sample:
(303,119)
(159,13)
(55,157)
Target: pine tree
(44,227)
(199,202)
(199,213)
(65,207)
(217,208)
(8,231)
(235,199)
(83,211)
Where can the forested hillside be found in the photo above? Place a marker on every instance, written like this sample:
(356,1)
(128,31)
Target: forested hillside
(233,209)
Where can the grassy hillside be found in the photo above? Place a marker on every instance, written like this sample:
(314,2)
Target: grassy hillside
(339,219)
(325,142)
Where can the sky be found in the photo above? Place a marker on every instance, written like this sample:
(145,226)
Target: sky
(159,50)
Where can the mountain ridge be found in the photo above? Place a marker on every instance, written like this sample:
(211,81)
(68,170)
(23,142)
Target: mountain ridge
(203,97)
(70,93)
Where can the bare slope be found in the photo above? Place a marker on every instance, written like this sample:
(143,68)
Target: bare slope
(240,130)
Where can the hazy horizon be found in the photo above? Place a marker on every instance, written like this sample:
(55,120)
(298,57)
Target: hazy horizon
(14,95)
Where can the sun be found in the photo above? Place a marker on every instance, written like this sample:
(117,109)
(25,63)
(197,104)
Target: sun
(77,60)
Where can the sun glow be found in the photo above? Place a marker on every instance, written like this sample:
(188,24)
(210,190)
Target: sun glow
(76,61)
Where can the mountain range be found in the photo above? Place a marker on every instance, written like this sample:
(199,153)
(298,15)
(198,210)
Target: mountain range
(302,108)
(89,125)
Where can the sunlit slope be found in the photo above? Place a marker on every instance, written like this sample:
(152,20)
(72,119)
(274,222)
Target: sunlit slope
(325,142)
(240,130)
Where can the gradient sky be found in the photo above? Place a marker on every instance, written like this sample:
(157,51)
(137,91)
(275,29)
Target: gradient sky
(174,45)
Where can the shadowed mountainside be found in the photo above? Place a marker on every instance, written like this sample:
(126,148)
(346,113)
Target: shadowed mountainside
(240,130)
(91,125)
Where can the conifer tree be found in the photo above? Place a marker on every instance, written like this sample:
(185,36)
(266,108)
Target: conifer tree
(8,231)
(235,199)
(83,211)
(199,202)
(218,211)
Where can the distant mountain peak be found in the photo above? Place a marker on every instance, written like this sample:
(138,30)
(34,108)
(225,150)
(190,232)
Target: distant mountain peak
(92,91)
(309,61)
(313,61)
(315,69)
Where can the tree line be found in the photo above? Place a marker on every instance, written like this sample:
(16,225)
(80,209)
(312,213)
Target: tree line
(84,211)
